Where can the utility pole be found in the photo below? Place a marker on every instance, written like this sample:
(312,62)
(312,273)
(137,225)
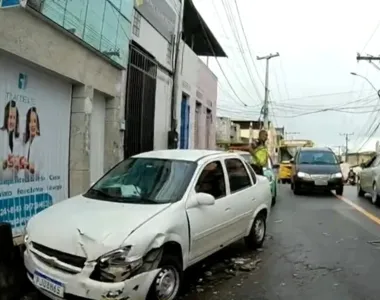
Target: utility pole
(266,102)
(290,133)
(346,137)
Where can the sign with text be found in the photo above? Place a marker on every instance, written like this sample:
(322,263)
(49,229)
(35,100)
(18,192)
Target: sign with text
(9,3)
(34,139)
(160,15)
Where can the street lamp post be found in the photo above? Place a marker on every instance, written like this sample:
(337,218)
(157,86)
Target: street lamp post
(366,79)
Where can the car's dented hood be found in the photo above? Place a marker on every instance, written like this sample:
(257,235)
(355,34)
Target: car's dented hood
(87,227)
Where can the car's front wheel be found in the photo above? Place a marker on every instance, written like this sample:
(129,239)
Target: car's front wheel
(296,189)
(339,190)
(168,282)
(256,236)
(375,195)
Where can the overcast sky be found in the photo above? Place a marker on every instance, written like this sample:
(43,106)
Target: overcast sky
(317,42)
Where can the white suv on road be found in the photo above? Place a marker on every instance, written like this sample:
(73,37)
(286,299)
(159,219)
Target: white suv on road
(135,231)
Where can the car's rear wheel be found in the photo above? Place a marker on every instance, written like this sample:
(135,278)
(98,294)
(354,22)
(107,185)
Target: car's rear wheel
(256,236)
(168,282)
(359,189)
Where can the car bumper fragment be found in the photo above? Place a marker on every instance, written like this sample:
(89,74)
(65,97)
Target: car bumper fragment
(80,286)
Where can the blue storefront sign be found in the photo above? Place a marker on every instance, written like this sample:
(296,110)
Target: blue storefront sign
(9,3)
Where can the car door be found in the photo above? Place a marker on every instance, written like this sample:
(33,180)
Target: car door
(208,223)
(242,197)
(366,175)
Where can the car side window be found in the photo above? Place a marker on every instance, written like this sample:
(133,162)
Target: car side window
(211,181)
(237,175)
(375,162)
(250,170)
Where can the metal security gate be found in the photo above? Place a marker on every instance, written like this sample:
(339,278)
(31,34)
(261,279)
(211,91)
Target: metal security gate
(140,102)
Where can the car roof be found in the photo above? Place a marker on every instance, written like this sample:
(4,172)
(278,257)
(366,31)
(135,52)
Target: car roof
(320,149)
(180,154)
(238,152)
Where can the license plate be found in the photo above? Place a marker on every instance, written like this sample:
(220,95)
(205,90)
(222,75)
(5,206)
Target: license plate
(48,284)
(321,182)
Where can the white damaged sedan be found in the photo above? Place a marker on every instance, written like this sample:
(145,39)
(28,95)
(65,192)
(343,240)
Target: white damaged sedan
(136,230)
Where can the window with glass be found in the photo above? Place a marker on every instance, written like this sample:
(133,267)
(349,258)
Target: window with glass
(237,175)
(211,181)
(144,181)
(103,24)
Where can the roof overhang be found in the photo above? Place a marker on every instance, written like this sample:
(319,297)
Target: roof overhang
(197,35)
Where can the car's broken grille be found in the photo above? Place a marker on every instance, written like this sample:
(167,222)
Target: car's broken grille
(320,176)
(73,260)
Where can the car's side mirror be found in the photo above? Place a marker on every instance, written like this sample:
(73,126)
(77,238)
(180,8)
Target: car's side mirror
(363,165)
(342,162)
(276,166)
(205,199)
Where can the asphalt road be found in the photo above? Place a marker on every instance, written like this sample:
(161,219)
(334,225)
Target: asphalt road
(318,247)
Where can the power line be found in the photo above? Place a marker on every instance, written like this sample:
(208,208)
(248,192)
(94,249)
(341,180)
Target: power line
(216,58)
(233,26)
(246,41)
(372,35)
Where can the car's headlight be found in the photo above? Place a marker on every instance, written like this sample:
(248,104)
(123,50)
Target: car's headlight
(303,175)
(337,175)
(117,266)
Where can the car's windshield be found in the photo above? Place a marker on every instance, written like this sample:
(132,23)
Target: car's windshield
(317,158)
(144,181)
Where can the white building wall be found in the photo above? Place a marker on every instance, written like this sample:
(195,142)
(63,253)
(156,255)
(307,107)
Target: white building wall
(162,110)
(187,84)
(97,136)
(207,86)
(223,129)
(153,42)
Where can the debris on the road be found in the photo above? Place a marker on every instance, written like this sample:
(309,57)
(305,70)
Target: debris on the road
(326,234)
(283,284)
(278,221)
(374,242)
(208,273)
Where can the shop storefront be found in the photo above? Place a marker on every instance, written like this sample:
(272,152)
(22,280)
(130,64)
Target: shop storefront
(34,147)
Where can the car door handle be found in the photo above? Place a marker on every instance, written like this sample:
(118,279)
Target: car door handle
(228,209)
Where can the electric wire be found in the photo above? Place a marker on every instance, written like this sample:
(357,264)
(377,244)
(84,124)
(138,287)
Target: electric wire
(216,58)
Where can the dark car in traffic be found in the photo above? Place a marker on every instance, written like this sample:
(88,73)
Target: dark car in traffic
(316,169)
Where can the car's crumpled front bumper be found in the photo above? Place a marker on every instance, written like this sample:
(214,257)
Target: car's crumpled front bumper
(81,286)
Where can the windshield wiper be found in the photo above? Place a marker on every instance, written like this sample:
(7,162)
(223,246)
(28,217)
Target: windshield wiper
(102,193)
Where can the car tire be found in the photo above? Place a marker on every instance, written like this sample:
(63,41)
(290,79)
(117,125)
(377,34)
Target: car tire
(171,268)
(339,190)
(296,189)
(274,199)
(360,190)
(375,199)
(256,236)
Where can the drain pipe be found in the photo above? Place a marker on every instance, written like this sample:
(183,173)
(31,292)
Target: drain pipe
(173,134)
